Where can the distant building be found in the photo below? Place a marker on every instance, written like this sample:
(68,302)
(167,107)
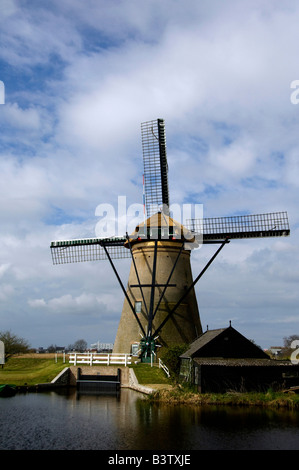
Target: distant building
(101,347)
(223,359)
(275,350)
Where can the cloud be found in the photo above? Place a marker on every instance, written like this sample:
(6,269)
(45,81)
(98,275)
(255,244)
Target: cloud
(6,292)
(80,304)
(4,268)
(79,79)
(25,119)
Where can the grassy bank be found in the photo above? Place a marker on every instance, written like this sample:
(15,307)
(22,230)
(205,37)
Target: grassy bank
(146,374)
(177,395)
(31,370)
(37,369)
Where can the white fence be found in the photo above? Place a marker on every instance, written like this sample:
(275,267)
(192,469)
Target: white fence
(107,360)
(163,366)
(96,359)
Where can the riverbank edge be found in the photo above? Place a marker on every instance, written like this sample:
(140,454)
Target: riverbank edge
(66,378)
(176,395)
(269,399)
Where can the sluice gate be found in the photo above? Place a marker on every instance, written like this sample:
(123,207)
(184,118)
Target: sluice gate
(98,382)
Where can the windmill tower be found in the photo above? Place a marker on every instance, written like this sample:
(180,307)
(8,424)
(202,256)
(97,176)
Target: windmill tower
(159,277)
(160,302)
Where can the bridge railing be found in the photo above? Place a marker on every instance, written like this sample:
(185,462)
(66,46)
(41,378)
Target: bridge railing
(100,359)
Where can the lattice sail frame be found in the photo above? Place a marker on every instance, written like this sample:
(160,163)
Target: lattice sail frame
(273,224)
(87,249)
(155,165)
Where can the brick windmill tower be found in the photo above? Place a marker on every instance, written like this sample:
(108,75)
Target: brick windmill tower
(160,306)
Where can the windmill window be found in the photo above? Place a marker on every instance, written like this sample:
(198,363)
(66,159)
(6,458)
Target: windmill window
(154,233)
(138,305)
(135,348)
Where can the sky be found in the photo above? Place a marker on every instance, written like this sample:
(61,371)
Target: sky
(79,78)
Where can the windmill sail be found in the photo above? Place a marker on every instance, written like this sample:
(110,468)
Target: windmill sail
(155,166)
(88,249)
(160,274)
(273,224)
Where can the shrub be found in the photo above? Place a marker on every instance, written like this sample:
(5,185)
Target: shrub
(171,358)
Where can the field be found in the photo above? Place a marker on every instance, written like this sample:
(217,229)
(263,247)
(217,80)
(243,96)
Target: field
(31,369)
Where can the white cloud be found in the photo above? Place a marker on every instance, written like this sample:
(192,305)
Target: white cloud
(79,80)
(292,167)
(25,119)
(4,268)
(6,291)
(236,160)
(37,303)
(72,304)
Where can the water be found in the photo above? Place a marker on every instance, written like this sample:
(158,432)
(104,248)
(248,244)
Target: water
(73,421)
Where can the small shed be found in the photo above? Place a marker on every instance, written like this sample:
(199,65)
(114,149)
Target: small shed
(223,359)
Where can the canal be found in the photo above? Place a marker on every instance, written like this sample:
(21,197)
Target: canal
(126,421)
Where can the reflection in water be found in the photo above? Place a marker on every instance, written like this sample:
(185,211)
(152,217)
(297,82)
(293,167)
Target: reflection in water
(126,421)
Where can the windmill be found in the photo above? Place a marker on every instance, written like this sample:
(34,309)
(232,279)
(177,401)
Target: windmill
(160,306)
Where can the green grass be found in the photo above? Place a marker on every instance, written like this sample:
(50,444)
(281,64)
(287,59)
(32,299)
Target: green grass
(38,369)
(146,374)
(183,395)
(30,371)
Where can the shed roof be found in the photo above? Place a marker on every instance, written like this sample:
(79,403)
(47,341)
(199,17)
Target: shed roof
(201,341)
(224,342)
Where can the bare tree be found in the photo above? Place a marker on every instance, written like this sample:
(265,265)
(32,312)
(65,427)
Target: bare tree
(287,341)
(79,345)
(13,344)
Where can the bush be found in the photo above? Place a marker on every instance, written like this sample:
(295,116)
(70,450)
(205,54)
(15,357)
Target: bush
(171,358)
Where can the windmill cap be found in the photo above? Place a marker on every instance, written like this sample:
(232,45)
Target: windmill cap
(152,228)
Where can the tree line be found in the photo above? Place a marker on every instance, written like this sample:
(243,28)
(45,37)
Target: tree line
(14,344)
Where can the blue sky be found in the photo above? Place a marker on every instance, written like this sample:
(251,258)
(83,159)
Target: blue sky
(79,79)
